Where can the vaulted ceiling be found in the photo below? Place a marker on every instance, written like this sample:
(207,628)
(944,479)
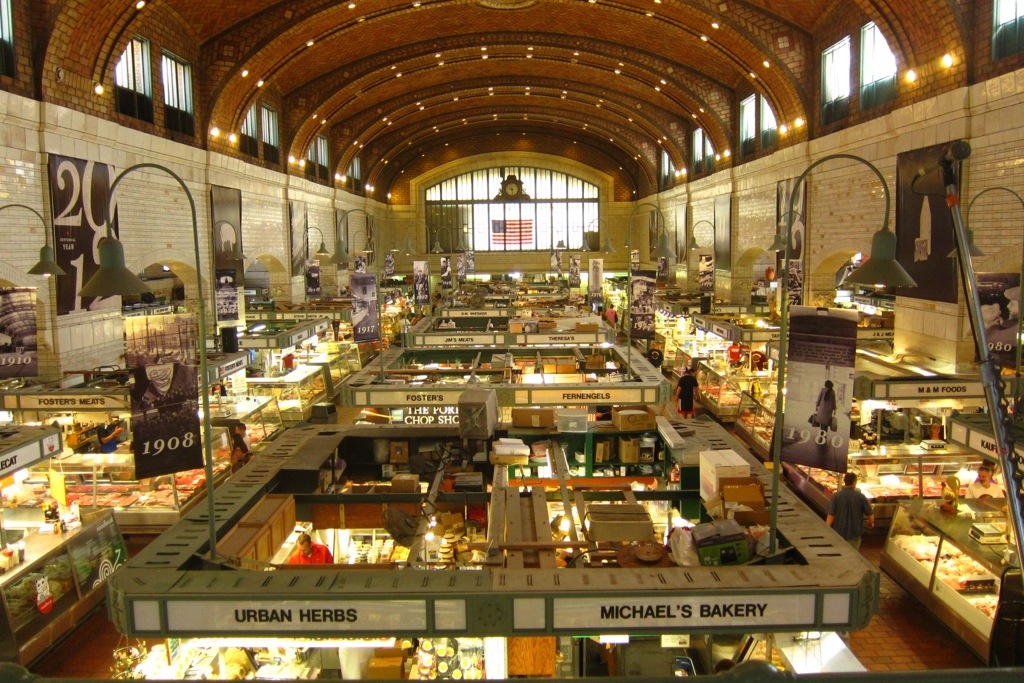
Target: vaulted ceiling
(399,80)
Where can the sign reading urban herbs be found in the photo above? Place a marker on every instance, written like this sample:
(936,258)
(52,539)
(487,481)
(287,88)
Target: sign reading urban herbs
(79,191)
(19,356)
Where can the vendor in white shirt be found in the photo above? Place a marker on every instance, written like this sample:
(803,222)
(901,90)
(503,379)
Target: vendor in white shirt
(984,485)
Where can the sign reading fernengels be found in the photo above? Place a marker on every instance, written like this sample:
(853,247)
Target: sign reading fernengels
(681,612)
(580,395)
(295,616)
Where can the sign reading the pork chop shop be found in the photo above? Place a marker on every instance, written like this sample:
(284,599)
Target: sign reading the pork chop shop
(683,612)
(295,616)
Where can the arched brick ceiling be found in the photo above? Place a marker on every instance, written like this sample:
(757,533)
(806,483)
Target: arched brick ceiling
(682,63)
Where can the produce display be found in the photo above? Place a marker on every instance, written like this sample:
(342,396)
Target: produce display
(449,659)
(38,592)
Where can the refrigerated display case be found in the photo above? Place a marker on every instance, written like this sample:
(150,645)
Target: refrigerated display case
(934,556)
(261,416)
(720,391)
(755,423)
(887,475)
(60,581)
(296,392)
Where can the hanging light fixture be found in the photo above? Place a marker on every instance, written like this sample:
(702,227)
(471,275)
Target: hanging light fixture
(560,245)
(341,256)
(608,248)
(664,249)
(46,266)
(779,244)
(409,249)
(113,278)
(882,269)
(972,248)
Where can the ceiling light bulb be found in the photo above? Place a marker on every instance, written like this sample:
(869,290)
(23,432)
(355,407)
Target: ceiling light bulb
(798,122)
(783,129)
(214,132)
(947,60)
(911,76)
(140,4)
(245,72)
(351,5)
(309,43)
(291,158)
(259,83)
(704,38)
(302,163)
(714,24)
(98,88)
(232,137)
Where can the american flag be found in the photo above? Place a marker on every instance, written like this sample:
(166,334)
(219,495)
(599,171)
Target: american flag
(512,233)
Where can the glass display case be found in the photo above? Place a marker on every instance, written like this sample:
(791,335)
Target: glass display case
(888,475)
(260,414)
(755,422)
(933,554)
(720,391)
(106,481)
(296,392)
(59,582)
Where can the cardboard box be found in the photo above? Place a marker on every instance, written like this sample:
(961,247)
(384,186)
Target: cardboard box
(586,327)
(515,327)
(399,452)
(602,450)
(546,324)
(747,491)
(533,417)
(511,459)
(566,368)
(405,482)
(596,361)
(572,420)
(752,517)
(717,464)
(634,418)
(385,669)
(629,449)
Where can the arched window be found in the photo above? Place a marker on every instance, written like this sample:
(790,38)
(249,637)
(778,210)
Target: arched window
(512,208)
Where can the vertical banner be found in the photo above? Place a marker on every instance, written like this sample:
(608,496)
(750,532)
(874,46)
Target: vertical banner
(299,247)
(226,216)
(365,321)
(723,233)
(19,349)
(446,272)
(1000,311)
(924,226)
(574,270)
(313,278)
(164,389)
(360,264)
(795,277)
(706,273)
(79,191)
(421,283)
(596,282)
(819,387)
(389,264)
(555,261)
(642,285)
(226,294)
(470,262)
(460,267)
(662,269)
(634,260)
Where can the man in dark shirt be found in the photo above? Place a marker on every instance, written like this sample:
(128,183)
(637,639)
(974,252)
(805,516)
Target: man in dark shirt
(239,447)
(685,393)
(849,512)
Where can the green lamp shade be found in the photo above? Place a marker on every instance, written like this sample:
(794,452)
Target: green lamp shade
(693,243)
(322,251)
(780,242)
(47,265)
(972,248)
(341,255)
(236,251)
(437,247)
(409,249)
(664,250)
(560,245)
(882,269)
(113,278)
(608,248)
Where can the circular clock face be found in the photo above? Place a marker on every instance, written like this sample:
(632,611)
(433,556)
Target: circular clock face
(511,190)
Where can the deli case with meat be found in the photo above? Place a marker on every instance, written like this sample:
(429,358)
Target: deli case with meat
(942,559)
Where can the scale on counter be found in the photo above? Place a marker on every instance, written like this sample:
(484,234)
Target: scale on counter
(988,534)
(932,444)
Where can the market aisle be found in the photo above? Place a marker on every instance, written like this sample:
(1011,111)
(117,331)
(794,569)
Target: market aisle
(904,636)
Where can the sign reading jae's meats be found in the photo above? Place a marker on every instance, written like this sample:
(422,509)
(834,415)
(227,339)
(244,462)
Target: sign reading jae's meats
(819,387)
(79,191)
(19,356)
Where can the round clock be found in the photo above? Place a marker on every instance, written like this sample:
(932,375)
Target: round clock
(511,189)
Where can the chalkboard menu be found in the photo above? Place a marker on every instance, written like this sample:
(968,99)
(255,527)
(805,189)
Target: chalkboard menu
(96,552)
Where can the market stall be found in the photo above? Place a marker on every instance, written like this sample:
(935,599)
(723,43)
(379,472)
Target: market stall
(22,509)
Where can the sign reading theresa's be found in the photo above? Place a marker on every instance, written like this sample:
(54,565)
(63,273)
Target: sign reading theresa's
(684,612)
(295,616)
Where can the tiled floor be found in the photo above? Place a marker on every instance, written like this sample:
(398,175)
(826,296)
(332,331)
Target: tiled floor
(904,636)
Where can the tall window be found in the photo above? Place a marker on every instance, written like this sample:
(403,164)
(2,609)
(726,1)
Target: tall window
(178,107)
(355,173)
(1008,28)
(269,133)
(877,68)
(835,81)
(703,152)
(248,140)
(473,211)
(748,125)
(133,81)
(668,170)
(769,127)
(316,158)
(6,39)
